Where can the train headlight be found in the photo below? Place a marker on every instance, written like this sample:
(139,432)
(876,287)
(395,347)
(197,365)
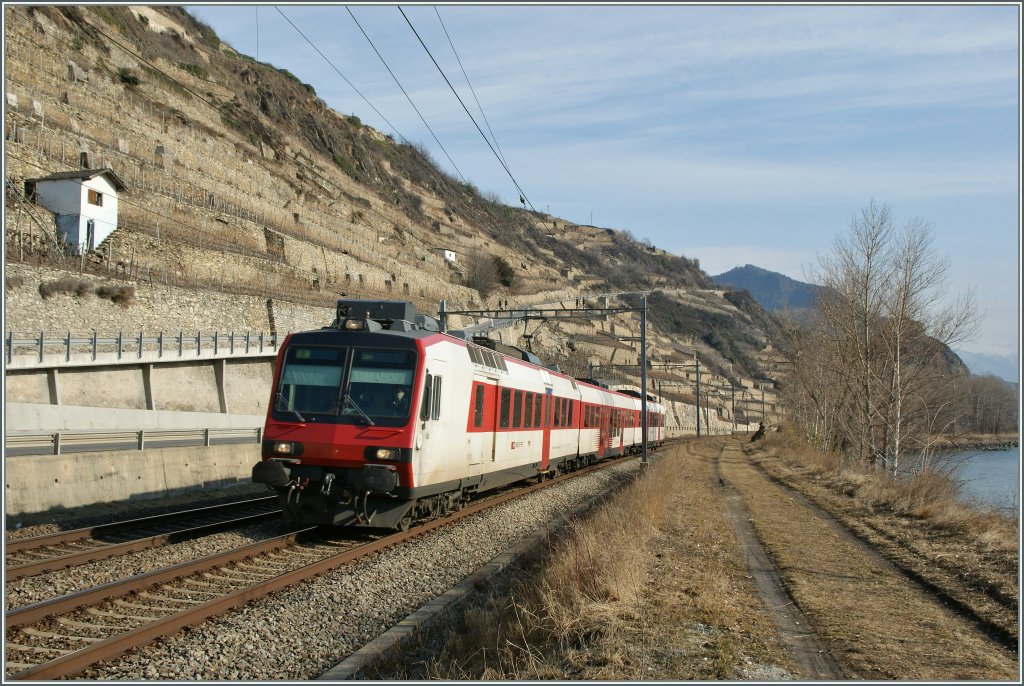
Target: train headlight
(355,325)
(284,448)
(387,454)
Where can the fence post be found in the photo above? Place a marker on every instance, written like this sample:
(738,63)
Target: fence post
(247,332)
(215,335)
(10,346)
(231,344)
(94,345)
(199,342)
(67,354)
(40,346)
(140,345)
(120,343)
(56,443)
(160,345)
(259,434)
(206,437)
(142,439)
(261,341)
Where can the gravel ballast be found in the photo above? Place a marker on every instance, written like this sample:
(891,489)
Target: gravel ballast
(302,631)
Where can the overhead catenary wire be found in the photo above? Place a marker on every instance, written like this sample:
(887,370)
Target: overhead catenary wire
(468,83)
(407,97)
(522,194)
(338,72)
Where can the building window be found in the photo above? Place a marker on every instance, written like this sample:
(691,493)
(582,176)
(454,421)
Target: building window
(95,198)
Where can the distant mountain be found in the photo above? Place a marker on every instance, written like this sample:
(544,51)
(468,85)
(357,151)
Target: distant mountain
(773,291)
(1003,366)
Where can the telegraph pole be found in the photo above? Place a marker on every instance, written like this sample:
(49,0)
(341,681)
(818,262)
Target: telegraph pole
(698,393)
(643,375)
(762,403)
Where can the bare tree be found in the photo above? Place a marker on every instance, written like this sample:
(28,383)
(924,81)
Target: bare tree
(873,376)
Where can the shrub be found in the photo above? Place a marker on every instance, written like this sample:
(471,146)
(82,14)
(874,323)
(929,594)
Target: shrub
(122,295)
(14,281)
(67,284)
(506,274)
(195,70)
(128,77)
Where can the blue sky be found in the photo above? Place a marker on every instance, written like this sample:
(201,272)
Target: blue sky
(733,134)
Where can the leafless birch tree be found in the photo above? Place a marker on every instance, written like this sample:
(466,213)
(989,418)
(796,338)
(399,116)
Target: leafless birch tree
(873,370)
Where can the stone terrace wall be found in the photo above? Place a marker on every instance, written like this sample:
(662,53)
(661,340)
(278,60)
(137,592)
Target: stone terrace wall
(155,308)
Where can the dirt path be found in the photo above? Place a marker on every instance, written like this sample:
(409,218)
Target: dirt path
(802,644)
(877,622)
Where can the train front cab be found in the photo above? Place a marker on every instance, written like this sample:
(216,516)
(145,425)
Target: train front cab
(339,434)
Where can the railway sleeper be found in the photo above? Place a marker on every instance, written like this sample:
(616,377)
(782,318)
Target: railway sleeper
(165,598)
(175,589)
(117,615)
(86,625)
(138,606)
(36,649)
(233,582)
(29,631)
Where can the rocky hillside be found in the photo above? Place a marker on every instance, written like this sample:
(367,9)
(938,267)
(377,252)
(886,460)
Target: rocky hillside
(241,180)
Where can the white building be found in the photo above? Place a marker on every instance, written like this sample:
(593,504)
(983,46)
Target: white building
(446,254)
(85,202)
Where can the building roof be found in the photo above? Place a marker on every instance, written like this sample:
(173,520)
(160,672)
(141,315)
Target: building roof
(85,175)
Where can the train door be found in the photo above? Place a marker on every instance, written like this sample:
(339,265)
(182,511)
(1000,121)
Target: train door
(604,430)
(483,414)
(545,452)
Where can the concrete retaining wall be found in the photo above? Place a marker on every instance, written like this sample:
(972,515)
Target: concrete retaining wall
(35,484)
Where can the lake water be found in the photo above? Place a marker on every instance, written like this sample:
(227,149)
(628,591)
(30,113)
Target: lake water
(989,477)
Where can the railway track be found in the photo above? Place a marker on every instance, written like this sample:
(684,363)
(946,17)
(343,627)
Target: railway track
(63,636)
(39,554)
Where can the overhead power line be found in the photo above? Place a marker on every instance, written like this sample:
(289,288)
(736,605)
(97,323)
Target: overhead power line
(468,83)
(384,62)
(522,193)
(393,127)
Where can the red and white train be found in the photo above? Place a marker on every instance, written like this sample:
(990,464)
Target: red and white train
(381,419)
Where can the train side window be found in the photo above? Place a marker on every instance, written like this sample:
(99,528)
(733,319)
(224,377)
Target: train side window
(557,402)
(517,410)
(478,406)
(425,405)
(506,406)
(435,400)
(528,414)
(538,406)
(572,405)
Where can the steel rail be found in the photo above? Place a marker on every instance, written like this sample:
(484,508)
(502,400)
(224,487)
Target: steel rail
(116,646)
(71,535)
(106,551)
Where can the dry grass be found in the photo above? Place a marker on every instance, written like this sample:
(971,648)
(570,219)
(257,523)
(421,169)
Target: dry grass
(920,523)
(591,583)
(932,495)
(650,585)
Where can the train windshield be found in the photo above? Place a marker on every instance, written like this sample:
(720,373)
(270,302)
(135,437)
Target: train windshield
(346,385)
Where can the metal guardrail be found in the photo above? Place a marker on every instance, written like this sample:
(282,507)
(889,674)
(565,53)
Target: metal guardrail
(182,344)
(61,442)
